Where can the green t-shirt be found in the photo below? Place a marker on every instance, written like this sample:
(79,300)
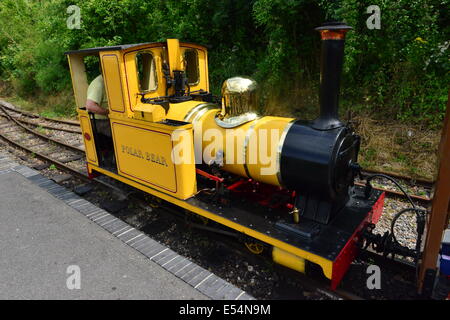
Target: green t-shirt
(96,93)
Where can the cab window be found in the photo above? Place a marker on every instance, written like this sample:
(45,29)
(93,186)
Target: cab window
(146,71)
(191,66)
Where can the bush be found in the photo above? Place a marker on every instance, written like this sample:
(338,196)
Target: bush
(400,71)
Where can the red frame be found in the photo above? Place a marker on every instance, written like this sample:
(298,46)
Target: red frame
(351,248)
(263,193)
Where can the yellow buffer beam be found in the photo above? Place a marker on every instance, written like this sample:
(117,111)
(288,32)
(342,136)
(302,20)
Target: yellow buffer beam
(288,260)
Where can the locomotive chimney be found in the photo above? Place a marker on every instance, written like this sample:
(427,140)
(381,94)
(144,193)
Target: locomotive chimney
(332,55)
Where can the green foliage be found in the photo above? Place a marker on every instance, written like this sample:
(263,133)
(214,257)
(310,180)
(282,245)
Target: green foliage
(59,111)
(401,71)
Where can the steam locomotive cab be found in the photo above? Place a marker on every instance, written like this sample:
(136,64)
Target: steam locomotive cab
(281,182)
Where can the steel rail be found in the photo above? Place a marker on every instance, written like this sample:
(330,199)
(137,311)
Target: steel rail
(423,182)
(397,193)
(39,134)
(47,126)
(60,165)
(57,163)
(43,125)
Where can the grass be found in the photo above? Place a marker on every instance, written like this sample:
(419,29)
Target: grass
(390,146)
(41,130)
(60,105)
(387,145)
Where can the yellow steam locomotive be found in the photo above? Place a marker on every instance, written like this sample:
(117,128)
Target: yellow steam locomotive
(282,182)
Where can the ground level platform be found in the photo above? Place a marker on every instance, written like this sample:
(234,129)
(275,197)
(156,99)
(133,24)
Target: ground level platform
(52,242)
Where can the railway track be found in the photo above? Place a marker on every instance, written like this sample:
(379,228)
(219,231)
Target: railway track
(10,107)
(393,193)
(44,126)
(65,156)
(40,135)
(423,182)
(426,185)
(69,158)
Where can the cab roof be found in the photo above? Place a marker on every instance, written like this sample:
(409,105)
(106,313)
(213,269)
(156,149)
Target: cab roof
(122,47)
(112,48)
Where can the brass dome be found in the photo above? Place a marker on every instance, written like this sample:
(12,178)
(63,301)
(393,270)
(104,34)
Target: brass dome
(239,96)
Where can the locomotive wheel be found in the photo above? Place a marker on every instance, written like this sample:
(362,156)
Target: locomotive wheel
(254,247)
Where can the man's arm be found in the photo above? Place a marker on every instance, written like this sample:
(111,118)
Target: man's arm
(93,107)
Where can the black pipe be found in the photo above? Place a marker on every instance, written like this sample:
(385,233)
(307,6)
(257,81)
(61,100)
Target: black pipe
(332,57)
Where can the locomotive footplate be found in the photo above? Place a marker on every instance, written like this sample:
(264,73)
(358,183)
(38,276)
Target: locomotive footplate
(332,246)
